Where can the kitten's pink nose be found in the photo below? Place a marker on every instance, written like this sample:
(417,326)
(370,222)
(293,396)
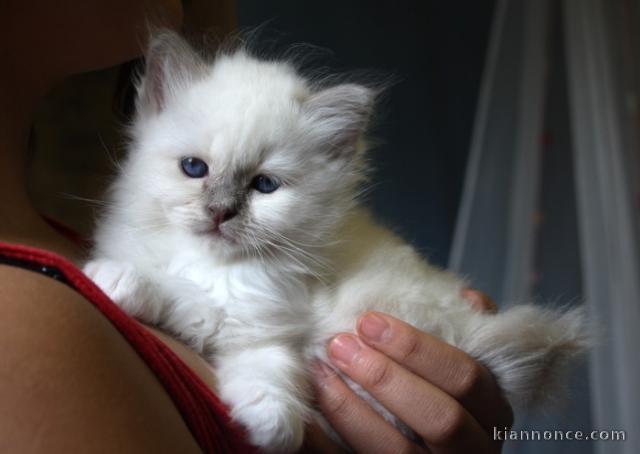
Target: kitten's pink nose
(222,215)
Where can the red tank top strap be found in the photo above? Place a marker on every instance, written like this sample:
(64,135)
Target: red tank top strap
(205,415)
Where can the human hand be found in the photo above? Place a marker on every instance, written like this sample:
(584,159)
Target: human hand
(450,400)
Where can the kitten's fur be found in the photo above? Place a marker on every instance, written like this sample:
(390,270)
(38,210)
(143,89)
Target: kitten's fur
(294,267)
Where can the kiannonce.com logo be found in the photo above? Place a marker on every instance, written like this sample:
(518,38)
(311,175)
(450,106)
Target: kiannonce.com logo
(506,434)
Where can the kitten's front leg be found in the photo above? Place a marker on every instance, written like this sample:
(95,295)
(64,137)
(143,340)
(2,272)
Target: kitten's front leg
(266,389)
(127,287)
(172,302)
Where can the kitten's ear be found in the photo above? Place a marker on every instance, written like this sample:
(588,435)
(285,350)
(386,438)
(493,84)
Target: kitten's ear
(170,65)
(339,116)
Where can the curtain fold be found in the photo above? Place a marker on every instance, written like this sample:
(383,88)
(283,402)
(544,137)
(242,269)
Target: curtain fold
(606,161)
(557,126)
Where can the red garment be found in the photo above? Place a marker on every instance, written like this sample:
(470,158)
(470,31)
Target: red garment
(205,415)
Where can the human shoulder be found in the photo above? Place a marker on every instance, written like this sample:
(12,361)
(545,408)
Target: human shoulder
(69,372)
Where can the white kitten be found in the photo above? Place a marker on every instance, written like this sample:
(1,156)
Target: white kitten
(233,223)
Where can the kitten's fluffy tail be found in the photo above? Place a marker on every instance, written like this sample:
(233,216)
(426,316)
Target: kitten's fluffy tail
(529,349)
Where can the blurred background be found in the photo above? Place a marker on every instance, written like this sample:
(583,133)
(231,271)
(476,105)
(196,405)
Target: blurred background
(508,151)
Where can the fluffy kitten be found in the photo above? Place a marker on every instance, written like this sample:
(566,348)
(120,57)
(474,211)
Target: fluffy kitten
(233,223)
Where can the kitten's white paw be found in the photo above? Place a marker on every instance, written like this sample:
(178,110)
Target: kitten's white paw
(265,386)
(119,280)
(274,425)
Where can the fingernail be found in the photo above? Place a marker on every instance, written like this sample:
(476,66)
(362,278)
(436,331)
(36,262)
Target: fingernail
(471,297)
(343,348)
(374,327)
(478,301)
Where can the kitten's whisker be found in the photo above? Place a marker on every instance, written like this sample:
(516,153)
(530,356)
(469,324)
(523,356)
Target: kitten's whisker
(146,227)
(315,259)
(291,253)
(112,159)
(69,196)
(285,242)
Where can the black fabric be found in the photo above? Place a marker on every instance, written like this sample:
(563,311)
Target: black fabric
(48,271)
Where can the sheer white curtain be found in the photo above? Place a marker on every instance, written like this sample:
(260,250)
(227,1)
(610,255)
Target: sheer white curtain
(604,121)
(565,67)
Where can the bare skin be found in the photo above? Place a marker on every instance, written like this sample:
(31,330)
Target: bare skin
(70,383)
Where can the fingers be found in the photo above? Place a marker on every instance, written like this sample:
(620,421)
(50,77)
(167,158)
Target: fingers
(356,422)
(479,300)
(437,417)
(444,366)
(443,394)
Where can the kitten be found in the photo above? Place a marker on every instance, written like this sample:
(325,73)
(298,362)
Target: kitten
(234,224)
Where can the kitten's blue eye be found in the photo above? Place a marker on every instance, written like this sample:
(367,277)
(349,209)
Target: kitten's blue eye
(194,167)
(264,184)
